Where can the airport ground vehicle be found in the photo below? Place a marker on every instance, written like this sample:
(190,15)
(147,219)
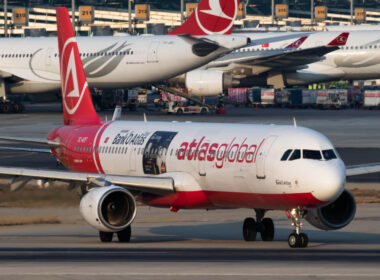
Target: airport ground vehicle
(181,108)
(371,99)
(255,96)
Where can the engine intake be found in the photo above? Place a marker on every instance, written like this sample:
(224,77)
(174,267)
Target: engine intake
(110,208)
(335,215)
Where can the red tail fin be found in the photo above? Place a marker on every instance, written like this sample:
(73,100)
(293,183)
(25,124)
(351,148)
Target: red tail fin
(210,17)
(297,44)
(341,40)
(76,97)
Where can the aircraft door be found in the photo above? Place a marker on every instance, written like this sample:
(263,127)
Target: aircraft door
(153,52)
(262,155)
(201,155)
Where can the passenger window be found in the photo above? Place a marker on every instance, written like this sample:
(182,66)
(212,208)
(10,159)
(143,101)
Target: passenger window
(312,154)
(286,155)
(295,155)
(328,154)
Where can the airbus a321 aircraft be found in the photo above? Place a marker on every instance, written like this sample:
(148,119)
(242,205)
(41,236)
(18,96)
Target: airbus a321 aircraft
(188,165)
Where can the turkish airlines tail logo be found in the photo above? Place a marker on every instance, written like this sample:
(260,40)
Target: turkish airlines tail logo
(210,17)
(76,97)
(341,40)
(297,44)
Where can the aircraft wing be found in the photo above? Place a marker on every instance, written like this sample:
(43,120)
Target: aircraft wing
(28,75)
(287,59)
(361,169)
(26,149)
(30,140)
(154,185)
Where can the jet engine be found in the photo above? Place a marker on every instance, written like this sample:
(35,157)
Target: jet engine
(335,215)
(109,209)
(204,82)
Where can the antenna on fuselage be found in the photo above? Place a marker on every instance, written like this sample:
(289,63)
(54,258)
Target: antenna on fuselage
(294,122)
(145,120)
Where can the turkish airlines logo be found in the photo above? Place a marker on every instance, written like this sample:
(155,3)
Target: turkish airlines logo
(71,90)
(342,39)
(214,18)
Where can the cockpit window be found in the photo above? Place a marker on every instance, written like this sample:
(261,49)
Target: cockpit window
(312,154)
(286,155)
(328,154)
(295,155)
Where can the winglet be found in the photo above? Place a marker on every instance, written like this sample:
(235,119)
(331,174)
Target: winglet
(210,17)
(341,40)
(296,44)
(76,98)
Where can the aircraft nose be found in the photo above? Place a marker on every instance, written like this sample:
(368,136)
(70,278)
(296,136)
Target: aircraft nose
(329,183)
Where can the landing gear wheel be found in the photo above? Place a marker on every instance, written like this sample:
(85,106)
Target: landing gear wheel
(203,111)
(124,235)
(294,240)
(105,236)
(267,234)
(249,229)
(7,108)
(179,112)
(304,240)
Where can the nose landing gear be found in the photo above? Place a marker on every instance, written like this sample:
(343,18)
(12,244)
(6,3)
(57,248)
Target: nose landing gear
(263,225)
(297,239)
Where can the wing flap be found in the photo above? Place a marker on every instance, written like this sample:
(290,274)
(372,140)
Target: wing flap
(361,169)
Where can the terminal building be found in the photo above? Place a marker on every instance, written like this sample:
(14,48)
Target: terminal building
(105,17)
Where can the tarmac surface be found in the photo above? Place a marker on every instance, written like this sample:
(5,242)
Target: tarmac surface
(188,244)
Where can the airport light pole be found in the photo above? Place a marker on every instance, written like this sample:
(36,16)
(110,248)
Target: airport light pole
(130,16)
(352,11)
(5,18)
(73,14)
(182,4)
(311,11)
(272,11)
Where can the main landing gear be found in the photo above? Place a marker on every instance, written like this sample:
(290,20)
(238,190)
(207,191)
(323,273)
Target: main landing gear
(123,236)
(263,225)
(297,239)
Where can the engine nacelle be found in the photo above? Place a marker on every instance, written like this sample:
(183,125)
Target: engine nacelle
(208,82)
(335,215)
(109,209)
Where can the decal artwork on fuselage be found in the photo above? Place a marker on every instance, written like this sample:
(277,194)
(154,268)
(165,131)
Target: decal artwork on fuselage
(155,152)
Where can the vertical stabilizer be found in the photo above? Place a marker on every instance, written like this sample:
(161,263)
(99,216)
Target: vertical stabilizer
(76,98)
(210,17)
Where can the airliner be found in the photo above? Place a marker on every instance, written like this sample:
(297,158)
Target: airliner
(321,57)
(188,165)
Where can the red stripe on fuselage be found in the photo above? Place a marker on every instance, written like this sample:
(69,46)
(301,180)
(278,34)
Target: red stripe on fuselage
(218,199)
(96,145)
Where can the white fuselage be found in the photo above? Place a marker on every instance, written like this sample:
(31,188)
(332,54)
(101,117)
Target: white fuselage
(109,62)
(358,59)
(234,165)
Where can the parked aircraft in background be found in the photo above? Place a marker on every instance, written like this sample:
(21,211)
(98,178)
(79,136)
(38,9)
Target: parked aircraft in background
(188,165)
(264,65)
(31,65)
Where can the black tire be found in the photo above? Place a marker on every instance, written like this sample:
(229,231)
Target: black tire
(18,108)
(203,111)
(179,112)
(105,236)
(124,235)
(249,229)
(267,234)
(304,240)
(7,108)
(294,240)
